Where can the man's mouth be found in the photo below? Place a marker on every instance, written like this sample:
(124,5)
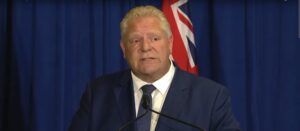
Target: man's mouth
(148,58)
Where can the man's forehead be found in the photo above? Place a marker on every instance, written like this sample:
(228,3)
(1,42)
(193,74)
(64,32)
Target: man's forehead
(140,20)
(147,33)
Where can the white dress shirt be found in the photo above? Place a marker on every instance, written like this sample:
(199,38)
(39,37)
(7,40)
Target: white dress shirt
(158,95)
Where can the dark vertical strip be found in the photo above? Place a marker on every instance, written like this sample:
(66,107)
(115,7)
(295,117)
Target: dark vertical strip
(104,40)
(32,95)
(3,61)
(298,18)
(249,13)
(60,58)
(92,28)
(13,119)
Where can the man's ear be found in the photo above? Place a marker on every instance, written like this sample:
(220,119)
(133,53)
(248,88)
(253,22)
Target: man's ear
(123,48)
(171,43)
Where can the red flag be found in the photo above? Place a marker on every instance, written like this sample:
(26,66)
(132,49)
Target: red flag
(184,47)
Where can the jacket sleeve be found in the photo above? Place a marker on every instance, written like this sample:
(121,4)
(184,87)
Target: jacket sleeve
(80,121)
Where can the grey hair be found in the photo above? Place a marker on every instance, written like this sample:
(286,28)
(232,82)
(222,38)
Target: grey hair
(143,11)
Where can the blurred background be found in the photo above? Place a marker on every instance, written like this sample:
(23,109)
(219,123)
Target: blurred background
(50,49)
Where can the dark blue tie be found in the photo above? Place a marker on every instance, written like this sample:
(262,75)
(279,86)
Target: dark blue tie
(144,123)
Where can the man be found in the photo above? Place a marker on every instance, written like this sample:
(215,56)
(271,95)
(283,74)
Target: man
(113,100)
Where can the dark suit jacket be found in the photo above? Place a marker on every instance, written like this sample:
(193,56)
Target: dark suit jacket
(108,103)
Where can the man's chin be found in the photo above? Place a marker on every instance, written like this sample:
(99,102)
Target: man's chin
(149,72)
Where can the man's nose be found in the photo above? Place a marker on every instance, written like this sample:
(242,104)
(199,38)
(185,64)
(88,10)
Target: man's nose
(146,45)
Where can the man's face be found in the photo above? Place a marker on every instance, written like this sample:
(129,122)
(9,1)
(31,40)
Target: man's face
(147,48)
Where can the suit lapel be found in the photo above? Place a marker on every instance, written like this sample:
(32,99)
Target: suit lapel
(124,98)
(173,105)
(175,99)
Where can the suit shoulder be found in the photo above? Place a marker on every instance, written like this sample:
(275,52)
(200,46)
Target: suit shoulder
(109,80)
(202,82)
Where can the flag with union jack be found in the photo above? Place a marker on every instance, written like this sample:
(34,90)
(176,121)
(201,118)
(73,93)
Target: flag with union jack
(184,47)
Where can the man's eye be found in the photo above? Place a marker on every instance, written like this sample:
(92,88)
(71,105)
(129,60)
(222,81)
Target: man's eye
(155,39)
(135,41)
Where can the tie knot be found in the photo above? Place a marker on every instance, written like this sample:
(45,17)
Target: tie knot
(148,89)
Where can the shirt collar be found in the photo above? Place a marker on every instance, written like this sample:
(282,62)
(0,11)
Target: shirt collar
(161,84)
